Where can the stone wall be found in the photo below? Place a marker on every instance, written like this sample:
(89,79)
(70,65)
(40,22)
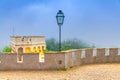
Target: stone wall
(59,60)
(74,58)
(31,61)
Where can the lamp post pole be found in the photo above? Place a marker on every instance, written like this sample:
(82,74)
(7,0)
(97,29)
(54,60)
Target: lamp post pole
(60,19)
(59,37)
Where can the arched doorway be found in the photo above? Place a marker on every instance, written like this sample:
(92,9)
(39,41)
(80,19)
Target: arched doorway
(43,48)
(27,50)
(34,49)
(39,49)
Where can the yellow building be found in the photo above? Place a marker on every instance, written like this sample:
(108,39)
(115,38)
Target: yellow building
(27,44)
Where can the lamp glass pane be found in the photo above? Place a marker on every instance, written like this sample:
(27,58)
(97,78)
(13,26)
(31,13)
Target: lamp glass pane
(60,20)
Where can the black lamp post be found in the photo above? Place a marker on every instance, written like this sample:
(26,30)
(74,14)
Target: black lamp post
(60,19)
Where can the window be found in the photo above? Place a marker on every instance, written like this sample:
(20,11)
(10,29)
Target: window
(20,55)
(94,52)
(0,58)
(73,55)
(30,39)
(107,52)
(118,51)
(22,39)
(83,53)
(41,57)
(19,58)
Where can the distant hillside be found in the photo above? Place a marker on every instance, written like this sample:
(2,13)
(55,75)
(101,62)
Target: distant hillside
(53,44)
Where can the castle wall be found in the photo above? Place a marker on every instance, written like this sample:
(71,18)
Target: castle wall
(31,61)
(59,60)
(54,61)
(90,58)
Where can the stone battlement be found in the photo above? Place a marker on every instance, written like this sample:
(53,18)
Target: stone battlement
(59,60)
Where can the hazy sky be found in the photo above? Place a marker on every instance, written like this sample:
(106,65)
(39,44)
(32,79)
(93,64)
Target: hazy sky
(94,21)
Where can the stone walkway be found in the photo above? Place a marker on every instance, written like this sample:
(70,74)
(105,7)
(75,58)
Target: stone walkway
(86,72)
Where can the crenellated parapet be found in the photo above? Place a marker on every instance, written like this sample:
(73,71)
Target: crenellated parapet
(59,60)
(92,56)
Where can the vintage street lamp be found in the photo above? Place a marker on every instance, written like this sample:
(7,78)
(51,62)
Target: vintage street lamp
(60,19)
